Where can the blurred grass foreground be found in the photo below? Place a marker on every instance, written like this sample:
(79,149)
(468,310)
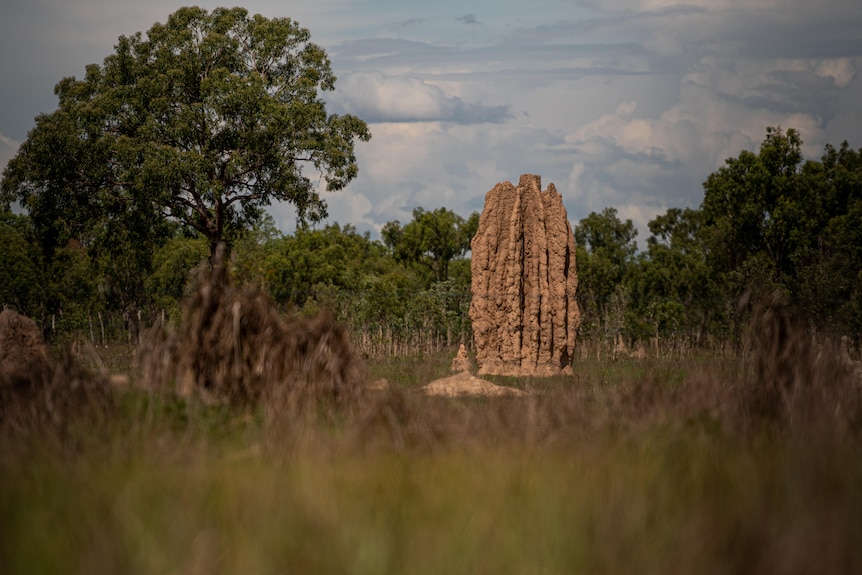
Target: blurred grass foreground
(706,465)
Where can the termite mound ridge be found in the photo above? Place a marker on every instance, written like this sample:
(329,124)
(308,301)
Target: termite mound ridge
(523,308)
(233,346)
(38,392)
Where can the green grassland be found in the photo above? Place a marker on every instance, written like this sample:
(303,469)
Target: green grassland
(651,466)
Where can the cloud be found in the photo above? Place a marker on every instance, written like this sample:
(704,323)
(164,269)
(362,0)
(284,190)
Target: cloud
(624,158)
(467,19)
(377,97)
(623,103)
(409,23)
(8,149)
(437,164)
(631,109)
(728,71)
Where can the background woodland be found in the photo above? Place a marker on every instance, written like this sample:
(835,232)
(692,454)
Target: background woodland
(769,221)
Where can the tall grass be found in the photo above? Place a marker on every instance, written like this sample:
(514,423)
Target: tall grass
(695,466)
(660,503)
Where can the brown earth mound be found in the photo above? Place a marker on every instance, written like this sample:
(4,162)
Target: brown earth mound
(523,309)
(234,346)
(23,354)
(461,362)
(35,393)
(465,384)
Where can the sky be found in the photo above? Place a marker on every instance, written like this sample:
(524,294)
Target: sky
(628,104)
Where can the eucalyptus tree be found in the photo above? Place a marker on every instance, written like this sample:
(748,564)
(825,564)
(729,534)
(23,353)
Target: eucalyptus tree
(774,221)
(204,121)
(606,250)
(673,289)
(830,278)
(312,265)
(755,210)
(20,283)
(432,240)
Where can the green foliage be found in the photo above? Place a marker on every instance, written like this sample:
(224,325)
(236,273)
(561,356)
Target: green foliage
(63,293)
(442,308)
(828,278)
(72,296)
(368,290)
(200,123)
(250,251)
(20,277)
(385,300)
(673,289)
(309,264)
(605,253)
(205,121)
(772,222)
(768,221)
(172,265)
(431,240)
(752,206)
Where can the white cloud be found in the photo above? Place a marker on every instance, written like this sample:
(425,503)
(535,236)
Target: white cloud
(434,164)
(643,163)
(378,97)
(8,149)
(351,208)
(657,5)
(624,103)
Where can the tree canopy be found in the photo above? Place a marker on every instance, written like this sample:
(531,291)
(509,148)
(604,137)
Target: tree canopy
(673,291)
(605,251)
(774,222)
(770,220)
(431,240)
(19,275)
(203,121)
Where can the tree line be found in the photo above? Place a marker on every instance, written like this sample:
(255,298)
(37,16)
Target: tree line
(179,140)
(390,292)
(769,221)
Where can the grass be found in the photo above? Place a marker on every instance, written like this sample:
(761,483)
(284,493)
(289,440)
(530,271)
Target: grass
(411,372)
(598,481)
(659,503)
(705,465)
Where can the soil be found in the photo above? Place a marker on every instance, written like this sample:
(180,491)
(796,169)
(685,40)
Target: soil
(23,354)
(465,383)
(523,309)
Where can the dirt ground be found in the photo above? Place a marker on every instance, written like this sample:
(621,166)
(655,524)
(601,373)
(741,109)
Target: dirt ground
(464,383)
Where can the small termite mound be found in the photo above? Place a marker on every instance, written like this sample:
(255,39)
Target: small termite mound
(233,346)
(38,392)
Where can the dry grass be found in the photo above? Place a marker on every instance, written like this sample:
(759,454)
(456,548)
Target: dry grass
(55,396)
(794,380)
(233,346)
(650,467)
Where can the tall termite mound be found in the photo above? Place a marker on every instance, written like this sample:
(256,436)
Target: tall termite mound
(523,310)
